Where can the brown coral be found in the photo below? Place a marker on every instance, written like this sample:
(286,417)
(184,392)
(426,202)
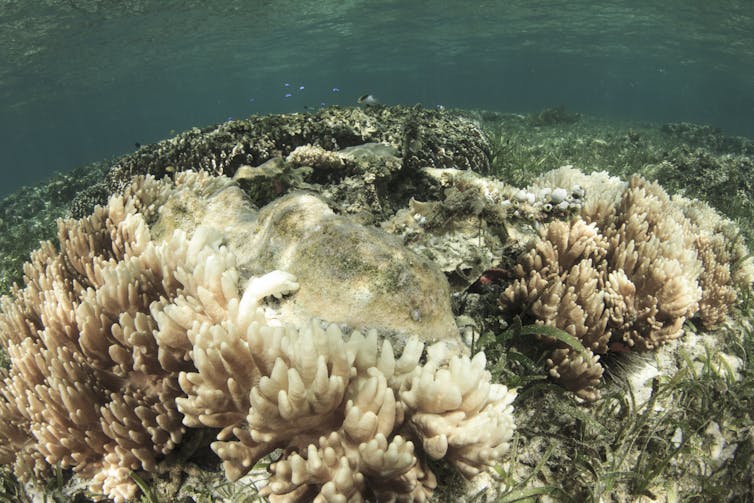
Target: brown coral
(560,283)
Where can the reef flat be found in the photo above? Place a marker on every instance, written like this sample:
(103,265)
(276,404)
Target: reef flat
(529,306)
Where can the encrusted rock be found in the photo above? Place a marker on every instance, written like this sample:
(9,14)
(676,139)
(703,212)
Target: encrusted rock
(422,138)
(349,273)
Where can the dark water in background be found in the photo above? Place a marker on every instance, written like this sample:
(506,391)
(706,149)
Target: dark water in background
(82,80)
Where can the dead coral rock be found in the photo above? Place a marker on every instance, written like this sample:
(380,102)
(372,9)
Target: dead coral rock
(350,273)
(422,137)
(374,191)
(464,232)
(369,154)
(361,180)
(316,157)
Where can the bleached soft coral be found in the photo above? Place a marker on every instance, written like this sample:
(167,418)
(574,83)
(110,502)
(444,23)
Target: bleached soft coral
(343,410)
(458,413)
(559,283)
(100,332)
(626,273)
(85,385)
(727,265)
(137,329)
(345,413)
(653,244)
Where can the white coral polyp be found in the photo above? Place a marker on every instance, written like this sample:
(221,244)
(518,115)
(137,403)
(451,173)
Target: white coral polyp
(389,460)
(99,389)
(338,408)
(459,414)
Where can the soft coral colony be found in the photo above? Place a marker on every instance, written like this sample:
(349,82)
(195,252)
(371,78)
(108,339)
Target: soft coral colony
(626,272)
(120,341)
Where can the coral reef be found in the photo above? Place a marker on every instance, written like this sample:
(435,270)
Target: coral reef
(626,274)
(412,173)
(146,322)
(423,137)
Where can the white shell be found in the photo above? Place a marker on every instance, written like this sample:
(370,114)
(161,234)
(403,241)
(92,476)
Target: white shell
(543,193)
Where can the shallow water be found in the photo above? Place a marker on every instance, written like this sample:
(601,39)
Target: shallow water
(87,80)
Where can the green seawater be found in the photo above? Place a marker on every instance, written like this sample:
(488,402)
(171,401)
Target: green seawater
(86,80)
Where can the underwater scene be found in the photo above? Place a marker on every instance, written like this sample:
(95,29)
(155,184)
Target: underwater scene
(416,251)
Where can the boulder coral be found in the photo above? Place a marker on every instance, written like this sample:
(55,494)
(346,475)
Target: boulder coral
(139,327)
(626,273)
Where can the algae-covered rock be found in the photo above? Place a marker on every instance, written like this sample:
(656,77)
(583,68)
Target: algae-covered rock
(724,181)
(349,273)
(363,180)
(465,231)
(423,138)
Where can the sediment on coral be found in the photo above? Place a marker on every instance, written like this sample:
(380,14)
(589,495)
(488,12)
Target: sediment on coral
(390,287)
(625,274)
(140,326)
